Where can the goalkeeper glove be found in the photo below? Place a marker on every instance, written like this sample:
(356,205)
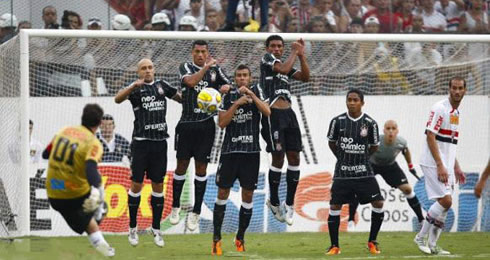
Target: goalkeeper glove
(413,171)
(94,200)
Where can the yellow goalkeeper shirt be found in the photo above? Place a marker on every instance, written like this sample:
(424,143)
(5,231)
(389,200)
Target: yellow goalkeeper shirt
(71,147)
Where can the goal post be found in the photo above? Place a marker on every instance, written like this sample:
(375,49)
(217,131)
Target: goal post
(399,85)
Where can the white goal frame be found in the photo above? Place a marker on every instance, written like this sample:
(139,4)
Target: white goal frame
(25,35)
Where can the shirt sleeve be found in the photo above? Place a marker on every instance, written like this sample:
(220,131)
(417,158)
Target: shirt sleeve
(435,119)
(95,151)
(223,79)
(170,91)
(259,92)
(374,134)
(333,130)
(226,103)
(269,60)
(184,71)
(292,72)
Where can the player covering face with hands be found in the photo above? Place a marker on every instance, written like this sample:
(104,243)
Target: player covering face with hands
(240,114)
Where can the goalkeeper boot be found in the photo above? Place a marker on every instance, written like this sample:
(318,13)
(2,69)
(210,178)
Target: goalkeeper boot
(157,237)
(240,245)
(105,249)
(437,250)
(373,248)
(192,221)
(175,216)
(288,212)
(333,250)
(133,236)
(216,250)
(276,211)
(421,244)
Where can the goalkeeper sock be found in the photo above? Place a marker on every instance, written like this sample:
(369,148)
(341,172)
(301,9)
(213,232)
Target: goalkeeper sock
(436,229)
(218,216)
(178,184)
(352,209)
(333,227)
(133,205)
(434,212)
(244,219)
(96,238)
(199,189)
(157,201)
(292,179)
(377,216)
(274,181)
(414,203)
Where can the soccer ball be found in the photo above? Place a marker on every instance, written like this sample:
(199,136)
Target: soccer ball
(208,100)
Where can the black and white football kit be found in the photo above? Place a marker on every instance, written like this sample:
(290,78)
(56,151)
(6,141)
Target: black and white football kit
(353,175)
(149,145)
(194,134)
(240,152)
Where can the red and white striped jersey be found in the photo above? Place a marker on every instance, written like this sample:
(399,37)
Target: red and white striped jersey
(443,122)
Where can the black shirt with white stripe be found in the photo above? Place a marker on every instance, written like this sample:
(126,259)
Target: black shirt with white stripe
(242,134)
(353,138)
(213,78)
(150,109)
(275,84)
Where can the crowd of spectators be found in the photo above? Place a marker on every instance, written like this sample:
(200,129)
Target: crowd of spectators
(384,66)
(319,16)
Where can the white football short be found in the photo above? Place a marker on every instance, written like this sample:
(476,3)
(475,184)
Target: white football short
(434,188)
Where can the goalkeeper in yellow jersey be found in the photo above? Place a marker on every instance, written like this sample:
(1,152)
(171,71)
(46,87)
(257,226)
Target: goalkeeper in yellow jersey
(74,184)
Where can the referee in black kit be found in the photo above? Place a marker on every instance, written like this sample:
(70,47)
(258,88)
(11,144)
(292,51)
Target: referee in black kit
(353,137)
(149,146)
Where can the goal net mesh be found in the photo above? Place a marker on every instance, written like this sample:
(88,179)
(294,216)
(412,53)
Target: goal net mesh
(67,73)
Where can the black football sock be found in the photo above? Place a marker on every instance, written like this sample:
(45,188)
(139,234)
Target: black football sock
(376,221)
(178,184)
(333,227)
(157,202)
(415,205)
(292,178)
(199,190)
(218,216)
(133,205)
(244,220)
(352,209)
(274,181)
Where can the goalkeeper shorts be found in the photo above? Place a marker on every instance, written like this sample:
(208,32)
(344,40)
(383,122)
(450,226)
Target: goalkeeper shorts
(72,212)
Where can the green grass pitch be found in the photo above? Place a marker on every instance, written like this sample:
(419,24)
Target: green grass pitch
(393,245)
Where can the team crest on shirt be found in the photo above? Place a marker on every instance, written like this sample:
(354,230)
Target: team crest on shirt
(212,73)
(364,131)
(160,90)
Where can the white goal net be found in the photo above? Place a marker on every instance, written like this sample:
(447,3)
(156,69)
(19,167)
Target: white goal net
(402,77)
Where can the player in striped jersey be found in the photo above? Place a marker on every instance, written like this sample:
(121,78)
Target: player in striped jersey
(353,137)
(240,113)
(73,184)
(384,163)
(194,134)
(439,164)
(149,145)
(281,130)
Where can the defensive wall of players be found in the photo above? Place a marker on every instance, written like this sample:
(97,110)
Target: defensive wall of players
(313,191)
